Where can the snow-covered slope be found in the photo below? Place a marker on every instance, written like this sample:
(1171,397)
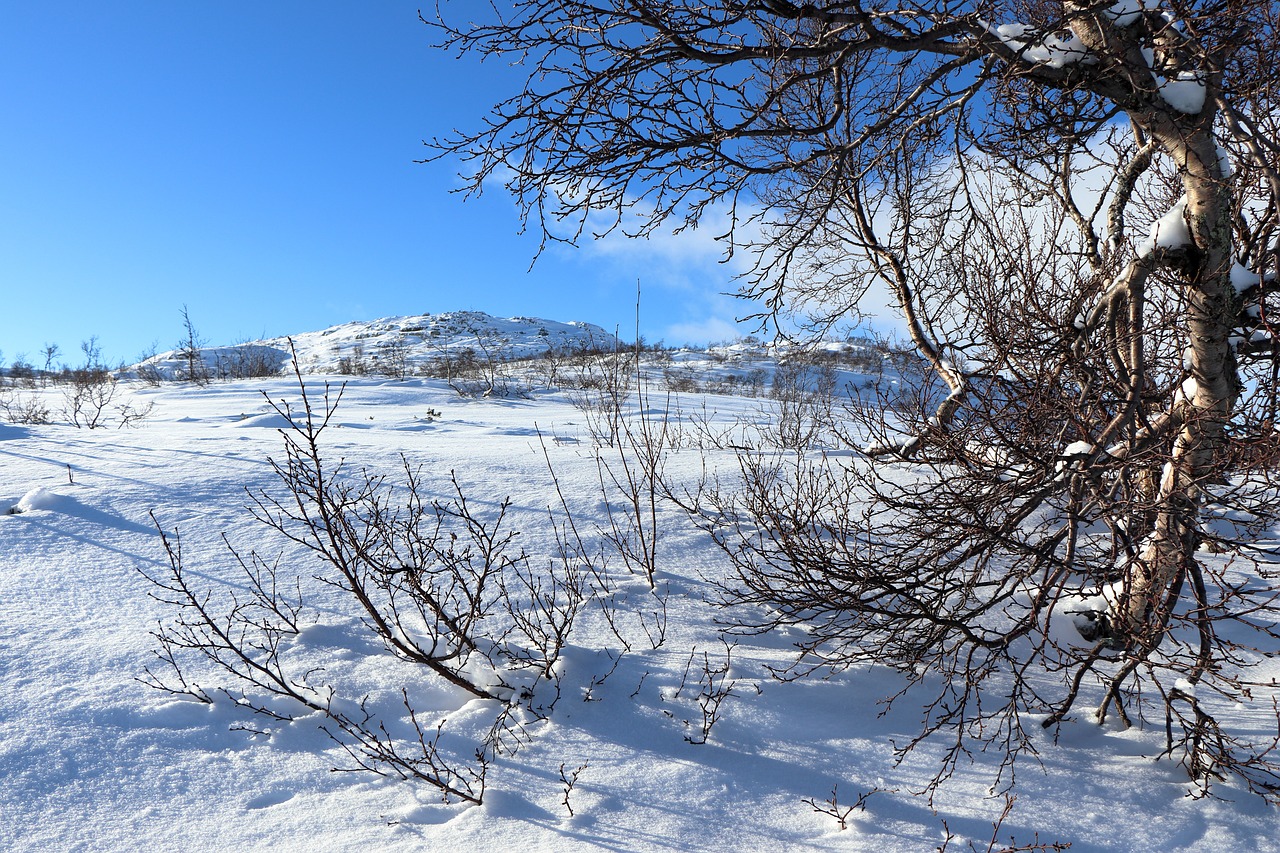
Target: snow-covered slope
(423,344)
(400,344)
(90,759)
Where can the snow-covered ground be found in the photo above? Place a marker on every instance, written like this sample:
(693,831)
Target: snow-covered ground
(92,759)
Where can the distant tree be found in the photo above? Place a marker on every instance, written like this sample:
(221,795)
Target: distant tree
(987,163)
(92,350)
(353,364)
(149,373)
(21,371)
(392,358)
(50,352)
(189,350)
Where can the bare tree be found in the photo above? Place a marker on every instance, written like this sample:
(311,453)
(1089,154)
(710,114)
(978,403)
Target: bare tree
(996,167)
(189,350)
(50,352)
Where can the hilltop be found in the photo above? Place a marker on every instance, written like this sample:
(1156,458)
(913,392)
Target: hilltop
(520,353)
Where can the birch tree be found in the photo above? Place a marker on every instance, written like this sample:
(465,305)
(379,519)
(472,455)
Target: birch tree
(1074,206)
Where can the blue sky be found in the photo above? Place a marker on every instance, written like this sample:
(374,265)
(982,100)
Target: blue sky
(255,162)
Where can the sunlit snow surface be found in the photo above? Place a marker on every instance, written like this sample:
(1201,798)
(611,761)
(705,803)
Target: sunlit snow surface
(90,759)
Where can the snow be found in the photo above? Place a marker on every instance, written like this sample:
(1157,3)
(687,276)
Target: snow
(1124,13)
(1243,278)
(38,498)
(91,759)
(1043,48)
(1187,391)
(1224,162)
(1185,93)
(373,344)
(1169,232)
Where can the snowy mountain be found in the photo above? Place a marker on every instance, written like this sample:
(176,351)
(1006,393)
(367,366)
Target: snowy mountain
(391,344)
(526,352)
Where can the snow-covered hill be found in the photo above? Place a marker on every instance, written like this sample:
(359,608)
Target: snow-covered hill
(420,343)
(521,353)
(390,345)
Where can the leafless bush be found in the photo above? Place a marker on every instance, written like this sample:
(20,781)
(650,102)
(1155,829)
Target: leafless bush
(568,781)
(22,373)
(249,639)
(638,553)
(833,807)
(803,395)
(87,398)
(680,380)
(27,409)
(994,845)
(392,358)
(605,382)
(354,363)
(50,352)
(710,677)
(980,589)
(128,415)
(149,374)
(90,401)
(548,366)
(190,350)
(246,361)
(439,583)
(631,482)
(481,370)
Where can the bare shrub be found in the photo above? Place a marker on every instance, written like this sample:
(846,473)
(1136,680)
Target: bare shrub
(247,361)
(50,352)
(353,363)
(149,374)
(567,783)
(22,373)
(710,676)
(480,369)
(248,636)
(28,409)
(979,589)
(439,583)
(89,401)
(803,395)
(604,385)
(392,358)
(631,482)
(88,396)
(840,811)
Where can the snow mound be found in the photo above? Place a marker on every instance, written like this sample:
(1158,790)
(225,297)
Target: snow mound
(39,498)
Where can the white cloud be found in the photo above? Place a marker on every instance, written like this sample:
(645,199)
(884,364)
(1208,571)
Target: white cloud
(703,331)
